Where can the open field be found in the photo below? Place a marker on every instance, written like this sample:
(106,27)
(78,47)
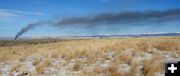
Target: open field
(92,57)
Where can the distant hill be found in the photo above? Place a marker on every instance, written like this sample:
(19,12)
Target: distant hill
(98,36)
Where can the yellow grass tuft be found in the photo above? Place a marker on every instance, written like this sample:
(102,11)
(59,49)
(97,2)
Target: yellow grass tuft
(151,68)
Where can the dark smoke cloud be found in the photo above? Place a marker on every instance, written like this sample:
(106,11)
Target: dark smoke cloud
(32,26)
(124,17)
(109,18)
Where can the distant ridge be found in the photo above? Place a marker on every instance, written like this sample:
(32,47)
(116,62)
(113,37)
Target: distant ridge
(98,35)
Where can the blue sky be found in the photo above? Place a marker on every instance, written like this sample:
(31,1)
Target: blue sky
(16,14)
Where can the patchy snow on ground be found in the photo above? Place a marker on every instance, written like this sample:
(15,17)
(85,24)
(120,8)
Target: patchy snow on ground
(65,70)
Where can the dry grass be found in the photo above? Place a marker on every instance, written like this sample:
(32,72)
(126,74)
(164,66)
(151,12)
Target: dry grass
(37,62)
(98,57)
(76,67)
(41,68)
(150,68)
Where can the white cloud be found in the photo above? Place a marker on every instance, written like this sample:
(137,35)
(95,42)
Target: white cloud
(7,15)
(12,13)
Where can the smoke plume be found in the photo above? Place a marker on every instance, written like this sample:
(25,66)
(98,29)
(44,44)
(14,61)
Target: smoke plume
(31,26)
(108,18)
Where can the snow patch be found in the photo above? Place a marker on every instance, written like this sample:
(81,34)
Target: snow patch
(124,67)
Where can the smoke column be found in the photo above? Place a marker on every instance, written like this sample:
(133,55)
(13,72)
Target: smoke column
(108,18)
(31,26)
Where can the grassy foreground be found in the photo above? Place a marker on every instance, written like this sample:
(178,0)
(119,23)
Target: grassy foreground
(92,57)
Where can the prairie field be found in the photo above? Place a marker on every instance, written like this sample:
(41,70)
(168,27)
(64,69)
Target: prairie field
(136,56)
